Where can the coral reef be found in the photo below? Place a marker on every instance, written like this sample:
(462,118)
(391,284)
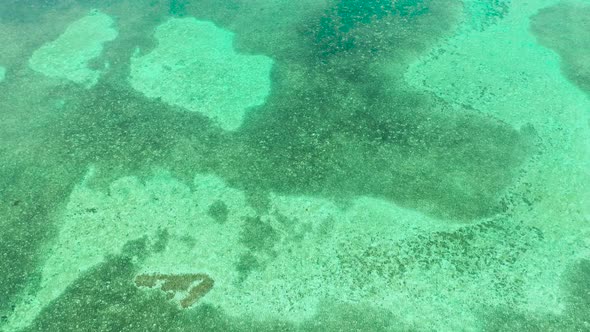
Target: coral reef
(218,211)
(172,284)
(481,14)
(345,184)
(494,245)
(337,27)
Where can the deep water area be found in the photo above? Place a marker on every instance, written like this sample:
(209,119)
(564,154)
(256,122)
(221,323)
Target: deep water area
(311,165)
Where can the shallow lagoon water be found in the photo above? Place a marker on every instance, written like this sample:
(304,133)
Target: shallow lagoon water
(314,165)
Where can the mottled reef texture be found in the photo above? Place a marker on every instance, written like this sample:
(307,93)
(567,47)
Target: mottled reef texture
(336,125)
(195,285)
(106,299)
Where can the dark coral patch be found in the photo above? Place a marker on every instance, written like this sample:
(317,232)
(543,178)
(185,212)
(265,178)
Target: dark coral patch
(196,285)
(565,29)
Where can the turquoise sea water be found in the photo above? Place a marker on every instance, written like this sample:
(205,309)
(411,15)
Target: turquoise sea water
(311,165)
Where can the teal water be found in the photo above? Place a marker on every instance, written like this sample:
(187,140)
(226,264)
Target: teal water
(312,165)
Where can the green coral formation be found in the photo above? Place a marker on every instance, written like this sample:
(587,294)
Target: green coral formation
(178,7)
(195,67)
(218,211)
(68,56)
(258,235)
(337,27)
(483,14)
(339,126)
(491,247)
